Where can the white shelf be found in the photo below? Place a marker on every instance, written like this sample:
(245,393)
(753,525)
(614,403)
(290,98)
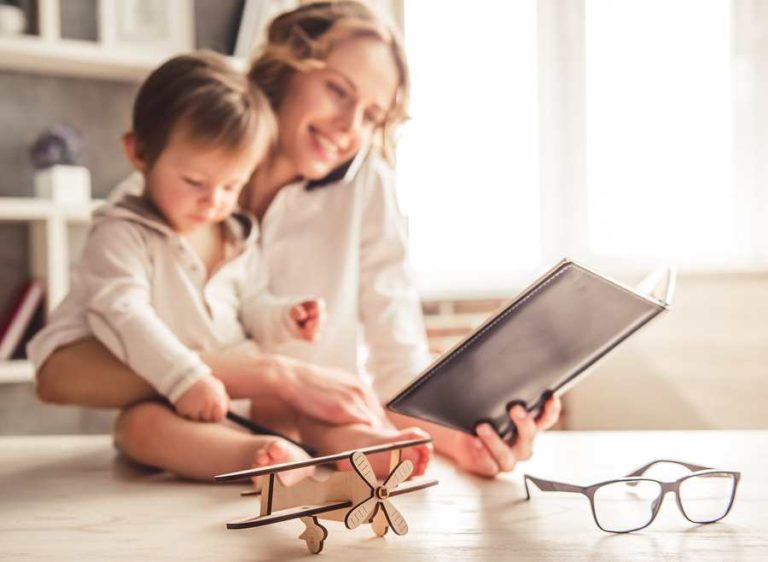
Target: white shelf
(69,57)
(50,239)
(49,259)
(35,208)
(81,59)
(16,371)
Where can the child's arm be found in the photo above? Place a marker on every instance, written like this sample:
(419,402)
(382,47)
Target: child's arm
(116,270)
(271,320)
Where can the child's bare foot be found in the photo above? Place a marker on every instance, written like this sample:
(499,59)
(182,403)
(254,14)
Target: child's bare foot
(274,450)
(365,436)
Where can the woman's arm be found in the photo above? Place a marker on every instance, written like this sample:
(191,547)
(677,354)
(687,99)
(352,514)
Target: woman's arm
(330,395)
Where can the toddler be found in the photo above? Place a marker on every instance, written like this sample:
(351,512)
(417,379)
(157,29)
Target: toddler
(163,275)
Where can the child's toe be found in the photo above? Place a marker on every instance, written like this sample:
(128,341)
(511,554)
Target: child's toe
(277,452)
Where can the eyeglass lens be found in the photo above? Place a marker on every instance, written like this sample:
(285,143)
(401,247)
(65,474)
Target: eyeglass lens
(625,506)
(706,497)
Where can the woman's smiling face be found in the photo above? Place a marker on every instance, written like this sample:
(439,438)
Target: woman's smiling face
(327,114)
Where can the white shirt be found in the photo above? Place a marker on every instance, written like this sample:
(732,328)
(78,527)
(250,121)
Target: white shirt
(346,243)
(144,293)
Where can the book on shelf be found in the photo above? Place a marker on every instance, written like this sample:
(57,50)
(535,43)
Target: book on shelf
(23,318)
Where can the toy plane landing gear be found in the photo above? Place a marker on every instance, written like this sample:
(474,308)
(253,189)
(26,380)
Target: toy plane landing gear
(354,497)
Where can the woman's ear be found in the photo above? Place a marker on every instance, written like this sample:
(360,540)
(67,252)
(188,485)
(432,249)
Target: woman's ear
(133,151)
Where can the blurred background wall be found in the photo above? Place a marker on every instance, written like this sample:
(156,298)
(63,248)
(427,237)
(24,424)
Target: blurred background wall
(555,149)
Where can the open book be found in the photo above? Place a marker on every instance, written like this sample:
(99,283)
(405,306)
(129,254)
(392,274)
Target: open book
(540,344)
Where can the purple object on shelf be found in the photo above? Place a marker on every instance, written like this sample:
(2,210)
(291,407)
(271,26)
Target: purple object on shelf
(59,144)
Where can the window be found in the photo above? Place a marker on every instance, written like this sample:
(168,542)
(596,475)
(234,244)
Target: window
(626,133)
(658,129)
(467,160)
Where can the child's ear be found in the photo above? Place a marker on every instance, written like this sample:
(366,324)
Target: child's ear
(133,150)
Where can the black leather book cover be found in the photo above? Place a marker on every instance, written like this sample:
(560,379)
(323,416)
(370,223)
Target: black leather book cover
(537,345)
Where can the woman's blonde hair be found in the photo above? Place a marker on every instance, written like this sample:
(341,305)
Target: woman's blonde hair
(300,40)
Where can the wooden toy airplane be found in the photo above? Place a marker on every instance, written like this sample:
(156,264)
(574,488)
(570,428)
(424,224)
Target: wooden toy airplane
(353,496)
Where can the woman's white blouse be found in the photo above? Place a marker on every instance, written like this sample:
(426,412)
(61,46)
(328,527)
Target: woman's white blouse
(346,243)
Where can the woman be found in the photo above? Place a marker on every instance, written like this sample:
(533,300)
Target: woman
(338,82)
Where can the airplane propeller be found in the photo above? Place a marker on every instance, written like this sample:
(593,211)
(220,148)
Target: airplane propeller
(379,495)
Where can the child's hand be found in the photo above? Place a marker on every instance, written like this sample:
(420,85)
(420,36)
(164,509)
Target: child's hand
(308,318)
(206,400)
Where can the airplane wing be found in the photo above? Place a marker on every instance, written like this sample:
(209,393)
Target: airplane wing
(413,485)
(253,472)
(286,514)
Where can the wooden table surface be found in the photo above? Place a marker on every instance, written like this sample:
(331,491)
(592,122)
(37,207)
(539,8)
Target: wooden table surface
(70,498)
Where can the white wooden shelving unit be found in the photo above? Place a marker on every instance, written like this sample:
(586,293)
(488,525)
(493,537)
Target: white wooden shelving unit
(49,53)
(52,229)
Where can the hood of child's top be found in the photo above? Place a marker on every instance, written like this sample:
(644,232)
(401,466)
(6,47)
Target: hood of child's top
(139,209)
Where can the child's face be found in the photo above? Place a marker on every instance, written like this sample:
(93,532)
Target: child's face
(194,185)
(327,114)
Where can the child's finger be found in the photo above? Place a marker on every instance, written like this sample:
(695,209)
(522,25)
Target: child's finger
(205,412)
(218,412)
(213,412)
(222,406)
(299,313)
(308,335)
(315,308)
(310,330)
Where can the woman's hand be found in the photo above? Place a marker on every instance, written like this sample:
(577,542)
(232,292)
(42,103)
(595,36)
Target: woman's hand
(330,395)
(487,454)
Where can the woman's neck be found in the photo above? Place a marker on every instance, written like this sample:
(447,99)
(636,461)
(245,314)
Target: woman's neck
(274,174)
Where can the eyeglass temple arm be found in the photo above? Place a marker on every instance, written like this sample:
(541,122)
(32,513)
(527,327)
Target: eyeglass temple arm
(549,486)
(692,467)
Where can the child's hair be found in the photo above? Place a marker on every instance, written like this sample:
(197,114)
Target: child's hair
(301,39)
(202,93)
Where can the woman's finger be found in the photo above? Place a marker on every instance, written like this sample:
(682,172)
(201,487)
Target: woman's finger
(476,458)
(526,432)
(498,449)
(550,413)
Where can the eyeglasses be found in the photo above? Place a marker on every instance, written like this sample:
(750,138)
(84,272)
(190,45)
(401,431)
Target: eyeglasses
(632,503)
